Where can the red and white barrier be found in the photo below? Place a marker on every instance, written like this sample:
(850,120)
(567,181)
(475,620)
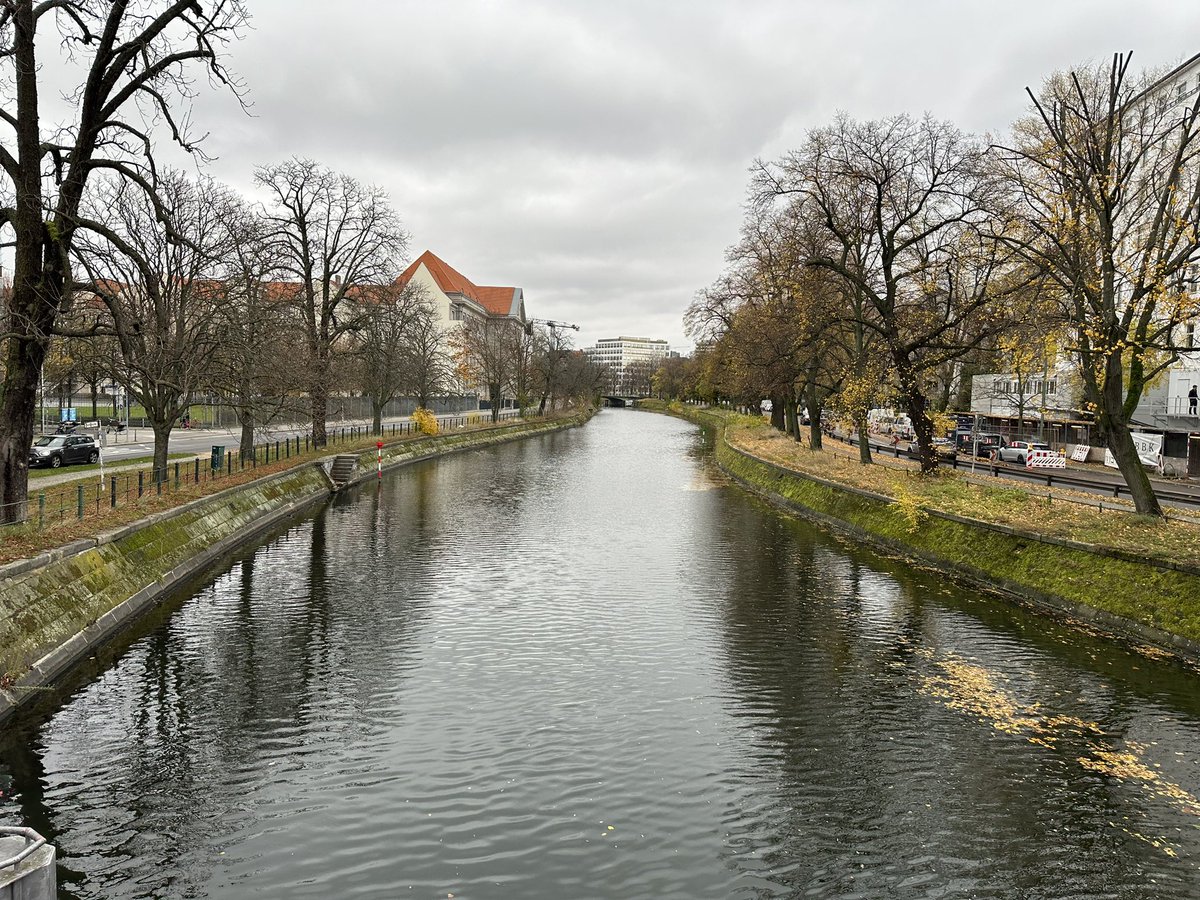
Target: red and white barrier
(1044,459)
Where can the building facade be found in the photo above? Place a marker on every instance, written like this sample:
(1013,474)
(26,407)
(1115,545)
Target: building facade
(631,360)
(458,301)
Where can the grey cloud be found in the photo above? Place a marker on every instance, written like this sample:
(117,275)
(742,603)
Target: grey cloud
(596,154)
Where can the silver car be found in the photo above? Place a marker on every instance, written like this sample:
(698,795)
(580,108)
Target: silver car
(1018,451)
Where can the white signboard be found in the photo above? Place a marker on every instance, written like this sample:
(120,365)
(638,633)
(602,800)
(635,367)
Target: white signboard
(1080,453)
(1149,450)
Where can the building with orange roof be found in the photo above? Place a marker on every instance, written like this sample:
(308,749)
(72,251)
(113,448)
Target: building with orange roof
(459,299)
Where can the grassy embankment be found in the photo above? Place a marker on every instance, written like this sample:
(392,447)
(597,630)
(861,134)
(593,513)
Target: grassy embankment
(1132,567)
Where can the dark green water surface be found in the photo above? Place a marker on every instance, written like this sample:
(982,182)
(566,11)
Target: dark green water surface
(585,666)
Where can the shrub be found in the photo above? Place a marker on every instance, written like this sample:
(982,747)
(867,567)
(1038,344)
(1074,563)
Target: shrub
(427,422)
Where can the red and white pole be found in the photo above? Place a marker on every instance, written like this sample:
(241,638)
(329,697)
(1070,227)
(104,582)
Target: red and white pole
(379,457)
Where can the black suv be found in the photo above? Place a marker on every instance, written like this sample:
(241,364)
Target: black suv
(56,450)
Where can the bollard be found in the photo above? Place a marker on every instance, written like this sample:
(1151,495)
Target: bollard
(27,865)
(176,476)
(196,470)
(229,463)
(113,493)
(141,484)
(41,510)
(79,502)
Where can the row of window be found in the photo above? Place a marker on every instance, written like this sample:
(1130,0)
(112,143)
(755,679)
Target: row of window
(1027,388)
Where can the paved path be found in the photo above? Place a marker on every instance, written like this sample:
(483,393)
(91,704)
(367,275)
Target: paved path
(121,450)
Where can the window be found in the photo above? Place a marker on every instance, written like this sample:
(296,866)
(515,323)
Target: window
(1189,335)
(1053,386)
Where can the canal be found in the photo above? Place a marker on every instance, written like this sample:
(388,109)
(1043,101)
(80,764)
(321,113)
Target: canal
(584,665)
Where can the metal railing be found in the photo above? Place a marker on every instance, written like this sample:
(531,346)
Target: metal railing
(198,476)
(33,843)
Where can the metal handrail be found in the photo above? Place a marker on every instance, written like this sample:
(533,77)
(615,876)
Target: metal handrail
(34,842)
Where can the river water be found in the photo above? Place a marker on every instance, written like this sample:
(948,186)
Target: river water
(584,665)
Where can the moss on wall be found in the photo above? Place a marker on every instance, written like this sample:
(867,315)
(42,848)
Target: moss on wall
(1138,599)
(55,607)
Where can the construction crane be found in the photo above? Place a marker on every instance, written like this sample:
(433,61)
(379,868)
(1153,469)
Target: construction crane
(548,393)
(549,323)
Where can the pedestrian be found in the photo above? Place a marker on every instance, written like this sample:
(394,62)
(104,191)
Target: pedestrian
(1192,399)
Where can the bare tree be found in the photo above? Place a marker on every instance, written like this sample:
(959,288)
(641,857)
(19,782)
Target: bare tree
(382,343)
(257,367)
(1105,183)
(135,59)
(338,240)
(901,205)
(152,263)
(426,366)
(485,351)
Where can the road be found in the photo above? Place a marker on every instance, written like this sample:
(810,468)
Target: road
(1104,483)
(138,443)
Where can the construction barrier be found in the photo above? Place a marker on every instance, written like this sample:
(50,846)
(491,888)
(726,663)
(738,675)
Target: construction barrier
(1044,459)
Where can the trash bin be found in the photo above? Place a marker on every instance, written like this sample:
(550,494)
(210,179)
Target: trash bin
(218,456)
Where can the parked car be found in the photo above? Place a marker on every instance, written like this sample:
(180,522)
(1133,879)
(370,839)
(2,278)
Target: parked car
(944,448)
(1018,451)
(56,450)
(983,444)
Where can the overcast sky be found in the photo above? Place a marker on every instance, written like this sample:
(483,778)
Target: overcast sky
(596,153)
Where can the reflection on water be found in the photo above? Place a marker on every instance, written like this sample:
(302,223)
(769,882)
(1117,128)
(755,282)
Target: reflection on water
(584,665)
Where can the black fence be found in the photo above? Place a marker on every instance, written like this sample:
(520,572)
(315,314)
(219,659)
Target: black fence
(79,499)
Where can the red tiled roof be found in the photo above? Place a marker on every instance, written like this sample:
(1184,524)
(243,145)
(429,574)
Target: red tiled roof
(498,301)
(448,279)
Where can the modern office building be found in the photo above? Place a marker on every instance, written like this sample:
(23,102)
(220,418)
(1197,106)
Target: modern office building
(632,360)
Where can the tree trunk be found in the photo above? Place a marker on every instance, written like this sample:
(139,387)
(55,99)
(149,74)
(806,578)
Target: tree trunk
(793,419)
(923,429)
(494,394)
(778,410)
(22,363)
(319,404)
(1120,443)
(246,439)
(376,417)
(916,405)
(814,418)
(162,439)
(864,438)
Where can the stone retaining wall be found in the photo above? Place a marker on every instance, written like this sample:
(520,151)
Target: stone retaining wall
(56,607)
(1081,580)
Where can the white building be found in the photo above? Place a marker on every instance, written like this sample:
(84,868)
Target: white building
(630,359)
(1053,393)
(1165,405)
(457,300)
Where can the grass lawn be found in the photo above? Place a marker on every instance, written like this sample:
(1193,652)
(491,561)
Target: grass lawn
(1024,508)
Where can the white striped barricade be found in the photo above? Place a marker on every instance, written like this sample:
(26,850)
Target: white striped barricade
(1044,459)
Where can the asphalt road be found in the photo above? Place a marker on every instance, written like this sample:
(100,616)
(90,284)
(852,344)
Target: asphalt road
(1087,479)
(138,443)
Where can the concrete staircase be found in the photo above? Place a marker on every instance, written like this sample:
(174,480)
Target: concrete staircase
(343,470)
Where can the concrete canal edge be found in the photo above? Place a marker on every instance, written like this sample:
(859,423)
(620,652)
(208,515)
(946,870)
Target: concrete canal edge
(1071,581)
(58,607)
